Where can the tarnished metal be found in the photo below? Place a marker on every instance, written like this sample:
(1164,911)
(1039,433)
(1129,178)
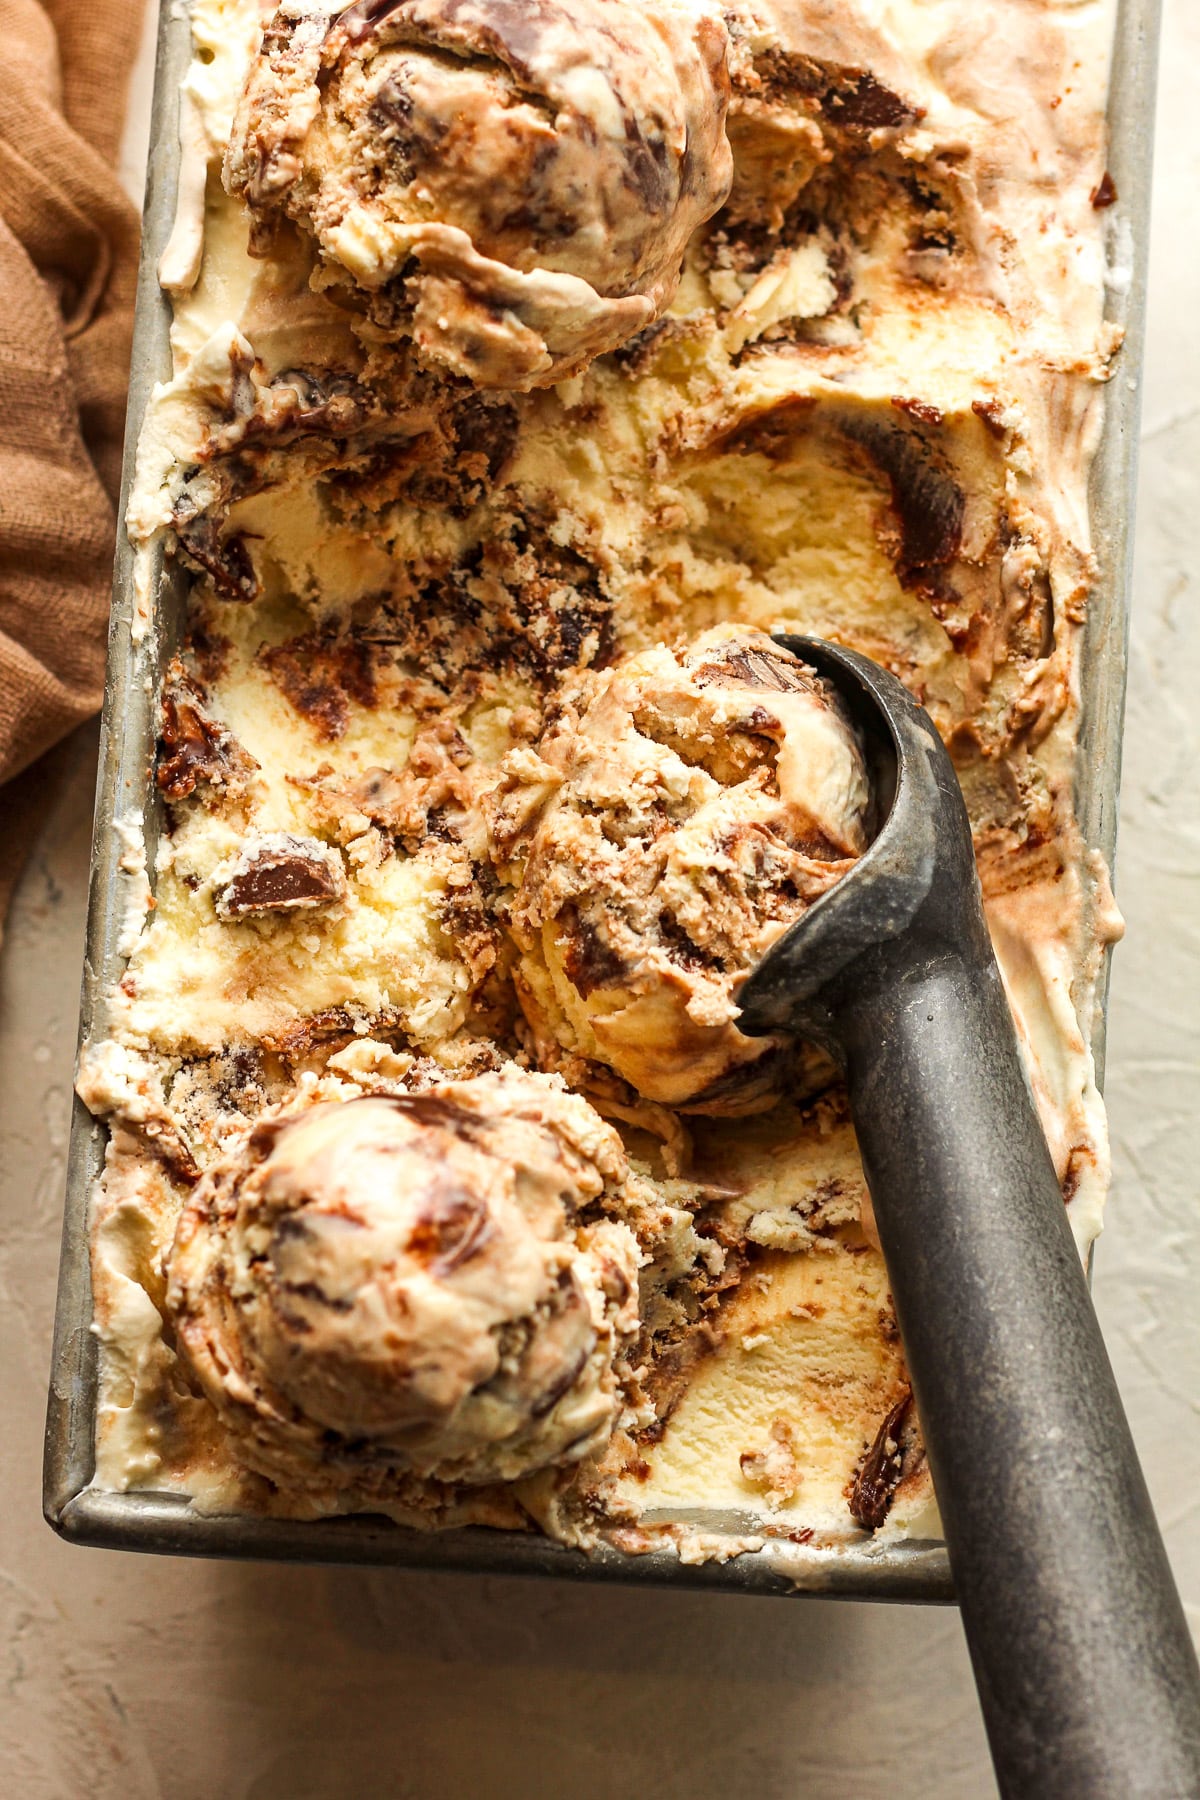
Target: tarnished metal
(163,1523)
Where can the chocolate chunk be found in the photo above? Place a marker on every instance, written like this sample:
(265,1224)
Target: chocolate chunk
(225,558)
(164,1141)
(924,410)
(193,748)
(855,100)
(588,959)
(453,454)
(881,1469)
(333,407)
(477,939)
(1104,193)
(992,414)
(848,98)
(282,874)
(682,947)
(393,435)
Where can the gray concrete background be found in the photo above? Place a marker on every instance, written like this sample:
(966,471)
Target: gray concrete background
(124,1678)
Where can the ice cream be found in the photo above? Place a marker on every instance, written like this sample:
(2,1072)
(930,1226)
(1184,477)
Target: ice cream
(421,1284)
(474,752)
(511,185)
(681,810)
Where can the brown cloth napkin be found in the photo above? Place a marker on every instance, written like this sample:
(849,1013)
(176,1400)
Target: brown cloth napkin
(68,253)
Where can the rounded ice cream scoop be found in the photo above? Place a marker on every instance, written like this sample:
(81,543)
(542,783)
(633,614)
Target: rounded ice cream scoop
(407,1285)
(510,183)
(679,813)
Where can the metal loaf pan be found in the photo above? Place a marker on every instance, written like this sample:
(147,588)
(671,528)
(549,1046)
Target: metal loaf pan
(165,1523)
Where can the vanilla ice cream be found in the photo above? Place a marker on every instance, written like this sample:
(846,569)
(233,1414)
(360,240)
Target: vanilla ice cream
(534,366)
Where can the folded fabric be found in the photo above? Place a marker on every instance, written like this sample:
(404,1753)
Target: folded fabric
(68,252)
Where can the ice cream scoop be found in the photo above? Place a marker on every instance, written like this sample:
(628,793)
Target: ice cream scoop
(680,811)
(417,1284)
(1085,1666)
(510,185)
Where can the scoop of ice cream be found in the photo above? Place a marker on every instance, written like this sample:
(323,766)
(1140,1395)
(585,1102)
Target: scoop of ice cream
(409,1285)
(510,183)
(679,813)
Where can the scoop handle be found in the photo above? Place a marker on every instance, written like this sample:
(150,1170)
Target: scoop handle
(1086,1671)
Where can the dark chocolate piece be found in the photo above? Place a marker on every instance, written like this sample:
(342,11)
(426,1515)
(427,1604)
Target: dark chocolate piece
(879,1473)
(1104,193)
(848,98)
(224,558)
(193,748)
(283,874)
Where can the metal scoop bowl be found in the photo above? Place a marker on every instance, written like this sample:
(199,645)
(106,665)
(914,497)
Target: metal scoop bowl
(1086,1672)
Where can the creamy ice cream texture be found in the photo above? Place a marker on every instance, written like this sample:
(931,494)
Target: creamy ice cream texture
(512,185)
(679,813)
(867,414)
(410,1283)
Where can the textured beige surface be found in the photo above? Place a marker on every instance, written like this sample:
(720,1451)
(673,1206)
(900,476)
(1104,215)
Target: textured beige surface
(126,1679)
